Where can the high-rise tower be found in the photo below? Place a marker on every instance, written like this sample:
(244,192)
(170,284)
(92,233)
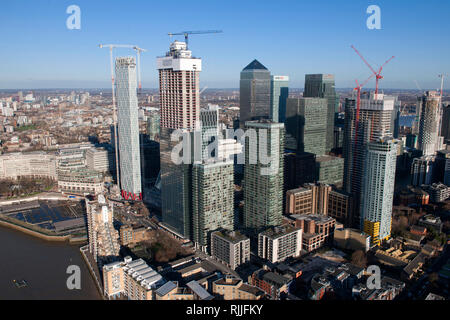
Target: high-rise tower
(323,86)
(378,189)
(180,109)
(254,92)
(128,128)
(429,140)
(374,123)
(263,180)
(279,92)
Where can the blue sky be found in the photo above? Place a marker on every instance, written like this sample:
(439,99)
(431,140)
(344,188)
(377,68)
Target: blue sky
(289,37)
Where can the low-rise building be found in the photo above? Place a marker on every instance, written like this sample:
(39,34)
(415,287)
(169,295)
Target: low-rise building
(317,229)
(230,248)
(278,243)
(134,280)
(230,288)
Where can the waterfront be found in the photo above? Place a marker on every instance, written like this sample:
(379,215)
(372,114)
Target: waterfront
(43,266)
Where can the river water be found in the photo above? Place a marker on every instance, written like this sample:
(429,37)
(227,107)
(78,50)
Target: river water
(43,266)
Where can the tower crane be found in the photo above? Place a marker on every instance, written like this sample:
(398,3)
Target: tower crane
(138,53)
(187,33)
(377,74)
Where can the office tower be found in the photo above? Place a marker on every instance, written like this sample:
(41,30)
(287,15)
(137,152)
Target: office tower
(153,122)
(441,171)
(230,248)
(306,122)
(209,123)
(299,169)
(374,123)
(411,140)
(150,161)
(279,92)
(279,243)
(396,114)
(254,93)
(128,129)
(263,183)
(340,206)
(103,238)
(378,189)
(422,171)
(212,200)
(180,109)
(338,138)
(445,130)
(330,170)
(429,140)
(323,86)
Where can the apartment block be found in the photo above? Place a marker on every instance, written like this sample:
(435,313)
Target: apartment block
(230,248)
(278,243)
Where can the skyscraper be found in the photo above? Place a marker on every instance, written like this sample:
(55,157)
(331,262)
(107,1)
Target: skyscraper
(128,128)
(209,121)
(374,123)
(429,140)
(254,92)
(306,123)
(212,199)
(445,130)
(279,92)
(180,109)
(323,86)
(263,183)
(378,189)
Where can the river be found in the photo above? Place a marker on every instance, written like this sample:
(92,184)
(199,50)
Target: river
(43,266)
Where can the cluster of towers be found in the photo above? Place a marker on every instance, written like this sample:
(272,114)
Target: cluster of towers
(197,196)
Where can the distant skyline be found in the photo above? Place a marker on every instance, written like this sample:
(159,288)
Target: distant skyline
(289,37)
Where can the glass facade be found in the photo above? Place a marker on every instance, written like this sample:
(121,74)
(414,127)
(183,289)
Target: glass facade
(279,92)
(254,92)
(128,129)
(323,86)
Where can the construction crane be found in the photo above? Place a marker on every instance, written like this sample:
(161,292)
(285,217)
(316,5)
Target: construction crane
(187,33)
(111,47)
(377,74)
(138,53)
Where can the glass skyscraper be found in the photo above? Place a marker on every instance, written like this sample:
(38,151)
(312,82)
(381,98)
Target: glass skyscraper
(279,92)
(254,92)
(323,86)
(306,124)
(263,192)
(128,128)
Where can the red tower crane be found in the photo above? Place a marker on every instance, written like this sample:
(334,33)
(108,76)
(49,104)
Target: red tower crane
(376,74)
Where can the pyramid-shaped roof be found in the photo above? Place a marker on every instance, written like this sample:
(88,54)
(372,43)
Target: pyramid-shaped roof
(255,65)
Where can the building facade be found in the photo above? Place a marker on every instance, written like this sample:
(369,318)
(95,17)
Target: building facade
(279,92)
(230,248)
(278,243)
(254,92)
(180,109)
(378,189)
(323,86)
(263,182)
(128,128)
